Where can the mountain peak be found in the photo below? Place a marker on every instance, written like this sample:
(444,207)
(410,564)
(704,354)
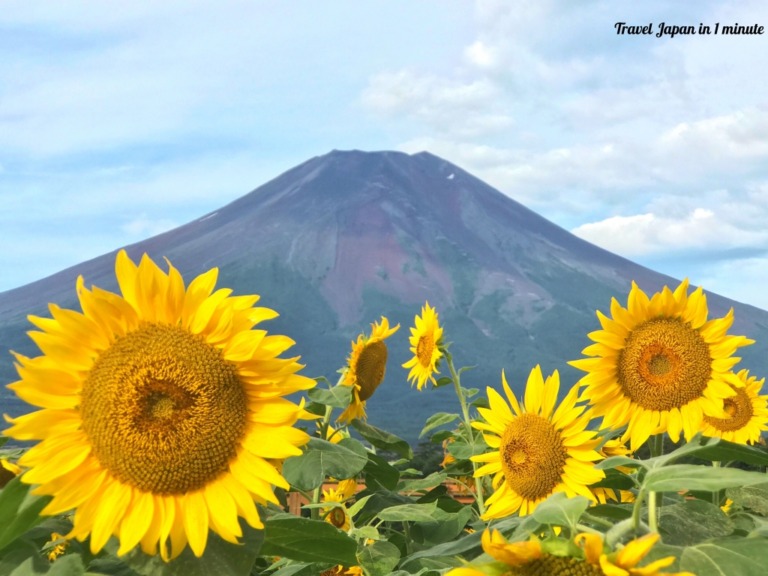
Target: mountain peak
(343,238)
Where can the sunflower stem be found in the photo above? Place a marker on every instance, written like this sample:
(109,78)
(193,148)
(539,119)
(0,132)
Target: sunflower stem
(468,425)
(656,446)
(653,520)
(636,511)
(716,495)
(595,520)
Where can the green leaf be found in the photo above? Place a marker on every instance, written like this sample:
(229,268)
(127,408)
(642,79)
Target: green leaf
(444,526)
(615,461)
(365,533)
(409,513)
(19,510)
(678,477)
(443,381)
(437,420)
(221,558)
(307,540)
(462,450)
(693,521)
(377,502)
(23,558)
(322,459)
(613,512)
(754,498)
(69,565)
(382,439)
(418,484)
(743,556)
(338,396)
(379,558)
(461,546)
(725,451)
(358,505)
(380,474)
(616,480)
(696,444)
(560,510)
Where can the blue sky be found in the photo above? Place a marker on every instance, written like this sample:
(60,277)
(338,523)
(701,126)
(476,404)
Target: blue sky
(117,124)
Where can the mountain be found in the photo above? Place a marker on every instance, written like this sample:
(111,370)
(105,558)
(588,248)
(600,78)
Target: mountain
(346,237)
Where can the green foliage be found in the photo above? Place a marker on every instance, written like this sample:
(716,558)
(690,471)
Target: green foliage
(19,511)
(322,459)
(307,540)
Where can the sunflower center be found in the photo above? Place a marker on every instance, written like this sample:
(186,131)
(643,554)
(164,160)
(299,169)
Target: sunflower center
(664,364)
(555,566)
(424,348)
(337,517)
(739,409)
(370,368)
(163,410)
(532,456)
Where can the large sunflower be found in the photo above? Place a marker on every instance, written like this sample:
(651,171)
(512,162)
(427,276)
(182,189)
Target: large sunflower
(161,410)
(366,366)
(589,558)
(425,340)
(538,450)
(747,413)
(659,365)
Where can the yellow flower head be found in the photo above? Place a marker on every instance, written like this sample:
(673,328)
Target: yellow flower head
(425,341)
(659,365)
(337,513)
(537,450)
(614,447)
(366,367)
(162,410)
(58,545)
(342,571)
(529,559)
(8,471)
(746,410)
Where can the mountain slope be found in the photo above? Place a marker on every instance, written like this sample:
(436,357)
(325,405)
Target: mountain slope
(343,238)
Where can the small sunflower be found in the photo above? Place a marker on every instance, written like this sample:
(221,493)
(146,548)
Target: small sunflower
(366,367)
(659,364)
(336,514)
(57,546)
(425,340)
(589,559)
(747,413)
(8,471)
(162,411)
(342,571)
(538,450)
(614,447)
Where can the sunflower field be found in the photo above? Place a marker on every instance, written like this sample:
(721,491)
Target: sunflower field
(175,435)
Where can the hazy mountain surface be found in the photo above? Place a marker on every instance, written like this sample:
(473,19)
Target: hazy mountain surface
(344,238)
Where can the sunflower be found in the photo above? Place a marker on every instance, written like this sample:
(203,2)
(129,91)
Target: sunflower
(747,413)
(56,547)
(425,340)
(659,365)
(342,571)
(336,514)
(8,471)
(162,410)
(537,450)
(588,559)
(365,368)
(614,447)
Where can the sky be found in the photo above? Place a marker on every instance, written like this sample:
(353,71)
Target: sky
(118,124)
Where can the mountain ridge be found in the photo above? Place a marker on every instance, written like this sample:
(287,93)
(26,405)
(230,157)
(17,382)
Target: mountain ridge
(343,238)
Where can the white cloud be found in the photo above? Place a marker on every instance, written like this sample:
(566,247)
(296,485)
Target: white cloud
(649,233)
